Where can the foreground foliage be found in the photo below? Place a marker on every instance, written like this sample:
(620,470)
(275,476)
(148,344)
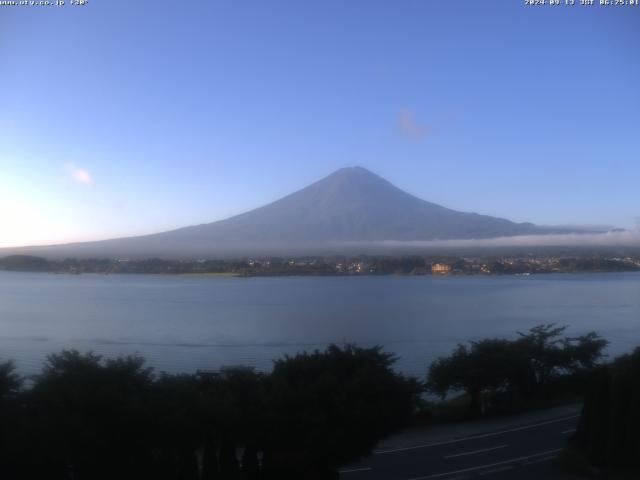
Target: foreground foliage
(608,430)
(493,371)
(85,417)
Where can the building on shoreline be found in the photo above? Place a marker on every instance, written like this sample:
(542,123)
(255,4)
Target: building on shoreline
(440,268)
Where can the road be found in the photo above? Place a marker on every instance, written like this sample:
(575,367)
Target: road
(488,455)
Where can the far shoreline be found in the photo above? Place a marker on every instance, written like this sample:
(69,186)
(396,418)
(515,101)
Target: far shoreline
(445,265)
(215,275)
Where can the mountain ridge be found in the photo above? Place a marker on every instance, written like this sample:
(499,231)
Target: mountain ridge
(350,205)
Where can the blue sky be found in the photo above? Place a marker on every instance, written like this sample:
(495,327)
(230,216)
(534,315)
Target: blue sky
(128,117)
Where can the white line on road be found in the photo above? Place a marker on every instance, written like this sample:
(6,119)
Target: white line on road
(497,470)
(353,470)
(571,430)
(539,460)
(474,437)
(476,451)
(480,467)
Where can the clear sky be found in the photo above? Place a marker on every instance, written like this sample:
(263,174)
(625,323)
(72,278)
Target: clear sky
(127,117)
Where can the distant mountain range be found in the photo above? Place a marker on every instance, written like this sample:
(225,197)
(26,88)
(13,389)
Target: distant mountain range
(349,207)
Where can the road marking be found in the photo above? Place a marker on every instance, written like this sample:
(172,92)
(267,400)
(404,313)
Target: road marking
(497,470)
(539,460)
(474,437)
(480,467)
(476,451)
(353,470)
(571,430)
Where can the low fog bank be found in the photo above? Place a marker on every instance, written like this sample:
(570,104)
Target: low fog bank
(619,240)
(616,238)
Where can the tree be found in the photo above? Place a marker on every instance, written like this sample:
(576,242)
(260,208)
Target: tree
(584,351)
(517,368)
(233,415)
(485,366)
(86,417)
(90,417)
(608,428)
(10,381)
(332,407)
(10,425)
(549,355)
(542,346)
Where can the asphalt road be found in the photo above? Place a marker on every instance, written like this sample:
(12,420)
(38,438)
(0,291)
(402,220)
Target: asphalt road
(494,455)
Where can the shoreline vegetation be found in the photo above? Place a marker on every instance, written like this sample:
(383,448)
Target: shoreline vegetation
(362,265)
(87,417)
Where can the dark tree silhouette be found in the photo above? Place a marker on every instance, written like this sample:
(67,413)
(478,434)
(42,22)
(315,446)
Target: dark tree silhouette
(516,368)
(328,408)
(10,381)
(89,418)
(486,365)
(608,431)
(10,419)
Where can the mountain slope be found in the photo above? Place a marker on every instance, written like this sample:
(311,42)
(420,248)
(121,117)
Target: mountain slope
(350,205)
(353,204)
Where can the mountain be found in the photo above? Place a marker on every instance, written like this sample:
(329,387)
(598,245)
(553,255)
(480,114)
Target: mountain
(352,205)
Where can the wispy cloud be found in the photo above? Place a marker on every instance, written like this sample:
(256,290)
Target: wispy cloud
(79,175)
(410,127)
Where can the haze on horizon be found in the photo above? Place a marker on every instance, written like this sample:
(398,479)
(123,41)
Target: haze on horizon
(121,119)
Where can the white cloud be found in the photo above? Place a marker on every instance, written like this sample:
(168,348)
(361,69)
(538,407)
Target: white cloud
(78,175)
(410,127)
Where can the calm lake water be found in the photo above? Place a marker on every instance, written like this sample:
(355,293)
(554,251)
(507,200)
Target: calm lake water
(182,323)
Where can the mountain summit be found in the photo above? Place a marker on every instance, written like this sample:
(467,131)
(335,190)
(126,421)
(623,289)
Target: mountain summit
(350,205)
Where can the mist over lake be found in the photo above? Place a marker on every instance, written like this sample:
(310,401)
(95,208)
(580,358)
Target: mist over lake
(182,323)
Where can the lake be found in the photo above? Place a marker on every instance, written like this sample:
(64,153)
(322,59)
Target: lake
(182,323)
